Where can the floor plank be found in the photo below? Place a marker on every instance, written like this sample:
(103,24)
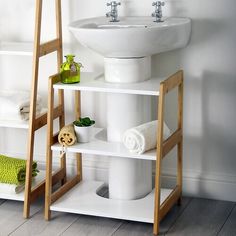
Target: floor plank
(195,217)
(2,201)
(229,227)
(93,226)
(11,215)
(201,217)
(141,229)
(38,226)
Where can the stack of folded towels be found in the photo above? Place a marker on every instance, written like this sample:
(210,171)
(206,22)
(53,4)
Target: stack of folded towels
(13,173)
(15,105)
(144,137)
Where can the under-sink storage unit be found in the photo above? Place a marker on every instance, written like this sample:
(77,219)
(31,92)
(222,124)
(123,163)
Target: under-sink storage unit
(80,197)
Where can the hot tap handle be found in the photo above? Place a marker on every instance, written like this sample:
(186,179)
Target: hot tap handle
(158,3)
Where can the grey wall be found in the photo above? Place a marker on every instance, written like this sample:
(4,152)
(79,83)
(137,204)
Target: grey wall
(210,84)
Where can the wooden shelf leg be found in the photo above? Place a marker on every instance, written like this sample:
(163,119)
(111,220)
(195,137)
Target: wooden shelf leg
(63,166)
(48,187)
(59,62)
(30,149)
(48,184)
(180,144)
(77,116)
(159,161)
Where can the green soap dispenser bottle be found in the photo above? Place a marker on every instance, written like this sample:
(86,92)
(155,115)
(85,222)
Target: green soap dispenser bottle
(70,70)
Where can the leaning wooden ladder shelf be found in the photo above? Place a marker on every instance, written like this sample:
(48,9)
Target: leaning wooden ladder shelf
(41,50)
(83,200)
(32,191)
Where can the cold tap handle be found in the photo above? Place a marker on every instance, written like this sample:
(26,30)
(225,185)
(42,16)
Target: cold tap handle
(113,3)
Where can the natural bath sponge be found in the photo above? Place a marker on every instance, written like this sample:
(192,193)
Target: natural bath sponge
(67,136)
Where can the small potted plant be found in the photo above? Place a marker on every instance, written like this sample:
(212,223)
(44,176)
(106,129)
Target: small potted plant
(83,129)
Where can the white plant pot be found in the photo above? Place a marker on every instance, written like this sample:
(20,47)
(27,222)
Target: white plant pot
(83,134)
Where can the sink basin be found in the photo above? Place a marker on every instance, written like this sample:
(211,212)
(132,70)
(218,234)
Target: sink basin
(132,36)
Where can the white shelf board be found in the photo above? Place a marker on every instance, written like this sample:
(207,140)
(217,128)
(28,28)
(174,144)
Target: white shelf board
(16,48)
(99,146)
(93,82)
(6,193)
(14,124)
(82,199)
(18,124)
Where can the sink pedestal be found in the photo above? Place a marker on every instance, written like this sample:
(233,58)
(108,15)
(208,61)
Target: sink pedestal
(128,178)
(129,70)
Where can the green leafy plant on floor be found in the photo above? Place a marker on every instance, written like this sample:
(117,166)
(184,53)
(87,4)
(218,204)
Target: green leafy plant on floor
(84,122)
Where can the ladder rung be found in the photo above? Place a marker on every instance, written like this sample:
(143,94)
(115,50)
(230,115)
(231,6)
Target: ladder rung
(173,140)
(173,81)
(42,120)
(170,201)
(63,189)
(40,188)
(49,47)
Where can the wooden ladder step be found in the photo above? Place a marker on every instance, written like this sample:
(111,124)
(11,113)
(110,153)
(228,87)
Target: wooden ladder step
(66,187)
(170,201)
(42,120)
(173,140)
(49,47)
(40,188)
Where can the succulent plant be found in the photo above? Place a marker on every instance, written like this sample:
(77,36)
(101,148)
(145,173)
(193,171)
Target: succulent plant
(84,122)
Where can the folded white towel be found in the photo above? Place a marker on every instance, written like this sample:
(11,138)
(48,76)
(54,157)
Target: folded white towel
(14,105)
(143,138)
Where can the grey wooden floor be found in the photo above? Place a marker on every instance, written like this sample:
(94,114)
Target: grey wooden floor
(199,217)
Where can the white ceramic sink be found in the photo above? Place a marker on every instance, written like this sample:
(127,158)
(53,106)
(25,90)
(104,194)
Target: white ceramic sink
(132,36)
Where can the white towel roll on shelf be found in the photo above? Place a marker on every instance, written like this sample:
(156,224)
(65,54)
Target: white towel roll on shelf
(143,138)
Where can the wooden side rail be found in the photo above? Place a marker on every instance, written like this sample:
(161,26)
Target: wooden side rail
(165,146)
(52,138)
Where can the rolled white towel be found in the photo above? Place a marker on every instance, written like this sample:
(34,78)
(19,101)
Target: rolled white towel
(143,138)
(14,105)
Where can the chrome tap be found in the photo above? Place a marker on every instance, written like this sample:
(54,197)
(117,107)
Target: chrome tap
(158,11)
(114,12)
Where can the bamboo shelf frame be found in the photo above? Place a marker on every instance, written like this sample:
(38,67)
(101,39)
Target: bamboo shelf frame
(164,147)
(35,123)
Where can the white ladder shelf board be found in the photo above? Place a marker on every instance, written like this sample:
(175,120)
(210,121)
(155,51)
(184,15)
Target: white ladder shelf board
(100,146)
(7,192)
(93,82)
(18,124)
(14,124)
(16,48)
(82,199)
